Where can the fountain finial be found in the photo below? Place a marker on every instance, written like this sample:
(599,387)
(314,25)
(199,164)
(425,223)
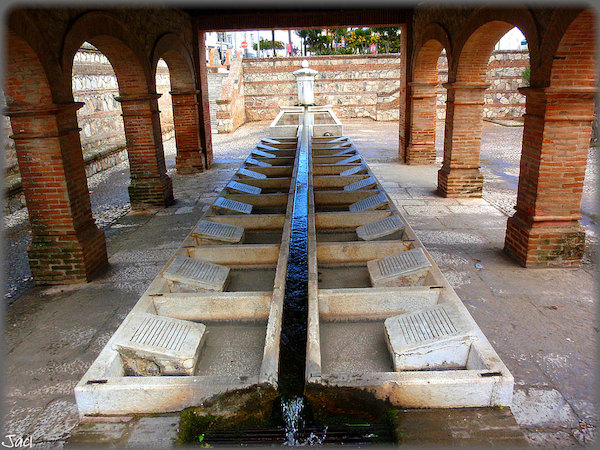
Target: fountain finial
(305,77)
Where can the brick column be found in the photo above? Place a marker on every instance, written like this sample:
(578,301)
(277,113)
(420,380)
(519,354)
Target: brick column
(544,229)
(421,145)
(66,244)
(150,185)
(459,175)
(185,120)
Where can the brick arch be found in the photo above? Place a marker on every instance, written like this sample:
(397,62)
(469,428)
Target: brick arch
(110,35)
(150,185)
(66,245)
(482,30)
(551,40)
(423,95)
(30,70)
(190,157)
(26,82)
(574,61)
(433,41)
(172,50)
(470,64)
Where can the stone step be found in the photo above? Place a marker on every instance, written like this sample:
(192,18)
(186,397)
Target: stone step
(251,174)
(380,228)
(259,152)
(258,163)
(213,232)
(197,273)
(377,201)
(241,188)
(353,171)
(361,184)
(350,160)
(229,206)
(406,268)
(157,345)
(431,338)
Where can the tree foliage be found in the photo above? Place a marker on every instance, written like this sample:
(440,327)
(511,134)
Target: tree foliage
(351,40)
(267,44)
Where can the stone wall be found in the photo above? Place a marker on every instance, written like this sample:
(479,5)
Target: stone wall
(231,106)
(502,101)
(356,85)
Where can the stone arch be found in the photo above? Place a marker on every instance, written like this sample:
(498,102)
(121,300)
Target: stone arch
(110,36)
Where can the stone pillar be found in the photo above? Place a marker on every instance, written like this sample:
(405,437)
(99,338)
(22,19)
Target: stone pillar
(211,57)
(150,185)
(228,57)
(185,120)
(421,146)
(544,230)
(66,245)
(460,175)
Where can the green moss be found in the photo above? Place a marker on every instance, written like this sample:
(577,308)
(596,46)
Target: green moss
(234,410)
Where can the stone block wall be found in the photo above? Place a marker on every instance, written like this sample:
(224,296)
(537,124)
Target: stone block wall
(231,105)
(356,85)
(502,101)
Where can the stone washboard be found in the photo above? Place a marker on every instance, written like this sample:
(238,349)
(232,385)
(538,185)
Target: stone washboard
(229,206)
(377,201)
(217,233)
(380,228)
(361,184)
(158,345)
(256,162)
(266,147)
(350,160)
(431,338)
(259,152)
(270,141)
(407,268)
(345,152)
(353,171)
(197,274)
(242,188)
(251,174)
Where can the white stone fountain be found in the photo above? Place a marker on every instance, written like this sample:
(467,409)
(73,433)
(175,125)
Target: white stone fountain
(325,122)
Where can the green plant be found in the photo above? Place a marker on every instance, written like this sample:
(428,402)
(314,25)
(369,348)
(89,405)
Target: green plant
(526,74)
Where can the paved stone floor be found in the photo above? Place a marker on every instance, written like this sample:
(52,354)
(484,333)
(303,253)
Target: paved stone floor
(541,322)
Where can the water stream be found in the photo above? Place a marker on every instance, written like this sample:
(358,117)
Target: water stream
(295,307)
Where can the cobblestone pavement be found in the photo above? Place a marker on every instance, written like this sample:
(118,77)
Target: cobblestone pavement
(541,321)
